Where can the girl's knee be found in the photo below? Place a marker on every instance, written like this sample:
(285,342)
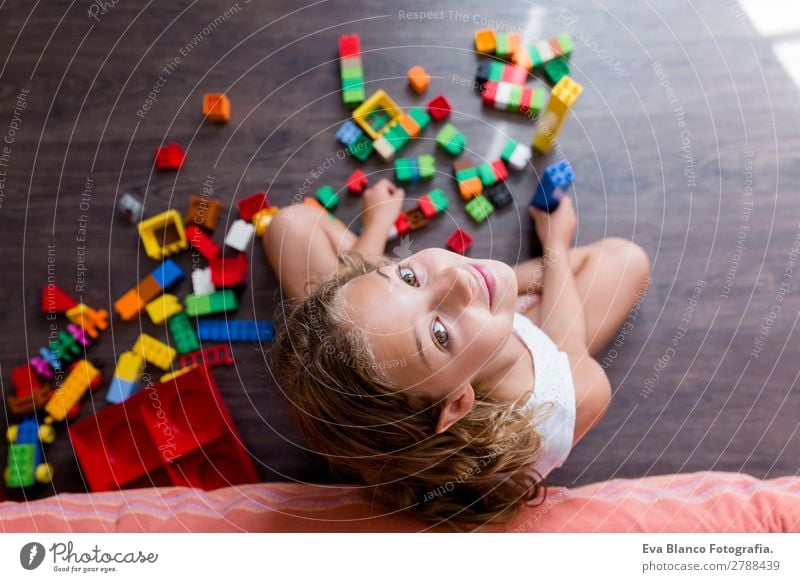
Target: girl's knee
(629,255)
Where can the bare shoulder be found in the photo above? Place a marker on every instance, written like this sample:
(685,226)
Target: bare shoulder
(592,392)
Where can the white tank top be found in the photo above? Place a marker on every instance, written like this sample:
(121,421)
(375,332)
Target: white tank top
(553,395)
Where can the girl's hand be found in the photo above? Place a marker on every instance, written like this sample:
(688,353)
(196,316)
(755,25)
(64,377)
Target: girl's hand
(382,204)
(557,228)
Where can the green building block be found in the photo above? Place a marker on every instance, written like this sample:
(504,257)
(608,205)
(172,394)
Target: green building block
(508,150)
(420,116)
(21,458)
(479,208)
(537,101)
(566,44)
(404,169)
(327,197)
(427,166)
(515,99)
(217,302)
(486,173)
(354,96)
(467,174)
(361,148)
(451,140)
(555,69)
(439,199)
(183,334)
(397,136)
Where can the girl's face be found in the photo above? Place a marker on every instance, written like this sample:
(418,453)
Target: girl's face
(436,319)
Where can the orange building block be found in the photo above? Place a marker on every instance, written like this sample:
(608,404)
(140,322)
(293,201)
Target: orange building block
(407,122)
(485,41)
(217,107)
(470,188)
(418,79)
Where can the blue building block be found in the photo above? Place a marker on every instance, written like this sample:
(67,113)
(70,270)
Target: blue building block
(51,358)
(555,182)
(120,390)
(167,273)
(348,133)
(235,330)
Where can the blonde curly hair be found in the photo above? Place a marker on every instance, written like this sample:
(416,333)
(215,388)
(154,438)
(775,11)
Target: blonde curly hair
(477,472)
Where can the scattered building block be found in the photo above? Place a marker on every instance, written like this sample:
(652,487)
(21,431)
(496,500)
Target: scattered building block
(418,79)
(217,302)
(348,133)
(209,357)
(203,212)
(170,156)
(235,330)
(163,307)
(562,99)
(251,205)
(182,333)
(376,114)
(357,182)
(56,300)
(240,235)
(217,107)
(439,107)
(263,218)
(556,180)
(516,155)
(201,282)
(163,234)
(451,140)
(81,378)
(459,241)
(485,41)
(229,271)
(202,243)
(479,208)
(351,70)
(130,208)
(499,195)
(153,351)
(327,196)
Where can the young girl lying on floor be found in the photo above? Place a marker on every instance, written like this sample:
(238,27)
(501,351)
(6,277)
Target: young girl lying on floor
(408,374)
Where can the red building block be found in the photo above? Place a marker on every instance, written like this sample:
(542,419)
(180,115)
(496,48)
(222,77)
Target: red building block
(357,182)
(170,156)
(439,107)
(426,206)
(25,380)
(349,46)
(56,300)
(209,357)
(459,241)
(229,271)
(500,170)
(201,242)
(401,224)
(250,206)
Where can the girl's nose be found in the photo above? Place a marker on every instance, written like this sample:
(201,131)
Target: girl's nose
(454,288)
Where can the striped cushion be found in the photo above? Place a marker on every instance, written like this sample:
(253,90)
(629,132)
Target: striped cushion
(695,502)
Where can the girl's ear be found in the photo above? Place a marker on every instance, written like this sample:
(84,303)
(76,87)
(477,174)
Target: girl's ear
(456,405)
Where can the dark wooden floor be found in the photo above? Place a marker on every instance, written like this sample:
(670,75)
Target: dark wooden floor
(661,152)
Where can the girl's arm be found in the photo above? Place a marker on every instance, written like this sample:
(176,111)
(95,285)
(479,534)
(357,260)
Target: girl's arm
(562,316)
(382,203)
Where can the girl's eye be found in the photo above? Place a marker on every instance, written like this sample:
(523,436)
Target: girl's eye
(408,276)
(440,333)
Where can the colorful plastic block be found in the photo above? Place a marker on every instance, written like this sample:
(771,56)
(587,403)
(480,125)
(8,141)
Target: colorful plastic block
(351,70)
(240,235)
(120,390)
(235,330)
(229,271)
(327,196)
(182,333)
(510,97)
(348,133)
(562,99)
(217,107)
(167,274)
(485,41)
(263,218)
(555,69)
(130,208)
(162,308)
(516,155)
(56,300)
(201,282)
(418,79)
(439,107)
(131,303)
(479,208)
(451,140)
(217,302)
(421,117)
(434,202)
(361,148)
(92,321)
(153,351)
(499,195)
(25,380)
(170,156)
(459,241)
(163,234)
(65,347)
(497,71)
(357,182)
(538,55)
(210,357)
(25,464)
(82,376)
(556,180)
(507,43)
(201,242)
(203,212)
(416,219)
(376,114)
(249,206)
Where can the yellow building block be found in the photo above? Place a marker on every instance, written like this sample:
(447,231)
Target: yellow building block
(130,367)
(170,375)
(217,107)
(378,105)
(71,391)
(154,352)
(562,98)
(163,235)
(262,219)
(163,307)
